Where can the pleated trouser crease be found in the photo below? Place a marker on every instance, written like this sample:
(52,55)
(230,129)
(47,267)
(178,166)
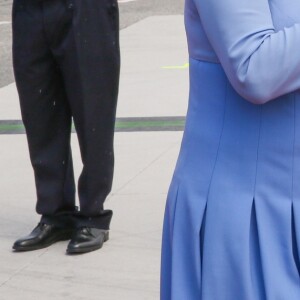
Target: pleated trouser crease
(66,62)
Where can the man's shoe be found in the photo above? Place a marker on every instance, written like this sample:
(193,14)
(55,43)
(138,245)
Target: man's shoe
(87,239)
(42,236)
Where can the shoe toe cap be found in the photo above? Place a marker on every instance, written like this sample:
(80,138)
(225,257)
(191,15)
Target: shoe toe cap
(22,244)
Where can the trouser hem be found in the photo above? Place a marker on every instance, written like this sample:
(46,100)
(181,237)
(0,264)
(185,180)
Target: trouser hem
(76,220)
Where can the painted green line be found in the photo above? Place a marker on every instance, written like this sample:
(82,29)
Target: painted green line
(11,127)
(122,125)
(148,124)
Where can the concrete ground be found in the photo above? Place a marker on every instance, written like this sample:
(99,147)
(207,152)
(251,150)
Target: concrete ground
(154,83)
(131,11)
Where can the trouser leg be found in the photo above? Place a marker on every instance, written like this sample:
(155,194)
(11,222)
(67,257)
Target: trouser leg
(90,61)
(45,111)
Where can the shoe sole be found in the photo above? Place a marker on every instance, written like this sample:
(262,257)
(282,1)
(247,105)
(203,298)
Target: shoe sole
(62,237)
(88,249)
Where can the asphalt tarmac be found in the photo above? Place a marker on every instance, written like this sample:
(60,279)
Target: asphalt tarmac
(131,11)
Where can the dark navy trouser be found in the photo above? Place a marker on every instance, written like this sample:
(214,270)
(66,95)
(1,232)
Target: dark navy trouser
(67,62)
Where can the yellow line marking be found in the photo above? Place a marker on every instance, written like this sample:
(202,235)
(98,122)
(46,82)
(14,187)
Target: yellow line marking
(185,66)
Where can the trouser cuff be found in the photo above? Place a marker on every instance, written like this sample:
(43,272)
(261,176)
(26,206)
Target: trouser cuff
(76,220)
(101,221)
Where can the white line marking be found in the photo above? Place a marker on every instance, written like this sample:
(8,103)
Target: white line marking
(4,23)
(125,1)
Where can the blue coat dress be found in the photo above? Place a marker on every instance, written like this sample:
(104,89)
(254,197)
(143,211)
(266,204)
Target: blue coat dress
(232,220)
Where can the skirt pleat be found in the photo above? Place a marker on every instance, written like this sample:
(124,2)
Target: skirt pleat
(232,219)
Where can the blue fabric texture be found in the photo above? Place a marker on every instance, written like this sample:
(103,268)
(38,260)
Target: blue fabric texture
(232,219)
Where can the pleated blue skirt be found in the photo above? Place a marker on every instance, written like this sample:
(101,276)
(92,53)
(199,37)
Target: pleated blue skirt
(232,219)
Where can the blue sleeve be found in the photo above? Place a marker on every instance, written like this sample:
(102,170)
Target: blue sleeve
(260,63)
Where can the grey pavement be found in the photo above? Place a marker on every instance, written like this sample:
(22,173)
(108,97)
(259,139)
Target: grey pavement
(131,11)
(154,82)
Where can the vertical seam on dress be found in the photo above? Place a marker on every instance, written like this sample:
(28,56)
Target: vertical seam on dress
(260,256)
(174,213)
(172,238)
(296,257)
(257,151)
(187,151)
(220,139)
(217,156)
(294,142)
(202,235)
(254,191)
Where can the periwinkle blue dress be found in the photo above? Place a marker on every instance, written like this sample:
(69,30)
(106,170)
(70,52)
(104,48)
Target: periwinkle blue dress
(232,220)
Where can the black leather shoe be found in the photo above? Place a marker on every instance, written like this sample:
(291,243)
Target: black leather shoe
(86,239)
(42,236)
